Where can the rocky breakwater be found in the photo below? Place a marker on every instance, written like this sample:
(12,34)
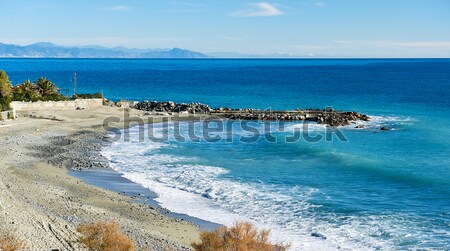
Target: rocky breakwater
(169,106)
(327,116)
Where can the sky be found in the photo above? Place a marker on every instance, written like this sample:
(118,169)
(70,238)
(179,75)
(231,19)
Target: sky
(303,28)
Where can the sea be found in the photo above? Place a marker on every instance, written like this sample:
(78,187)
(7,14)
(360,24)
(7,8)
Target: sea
(357,189)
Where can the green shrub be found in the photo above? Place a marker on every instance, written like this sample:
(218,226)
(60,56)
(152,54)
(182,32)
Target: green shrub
(53,97)
(5,91)
(88,96)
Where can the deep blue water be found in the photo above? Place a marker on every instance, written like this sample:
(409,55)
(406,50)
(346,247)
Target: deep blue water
(379,190)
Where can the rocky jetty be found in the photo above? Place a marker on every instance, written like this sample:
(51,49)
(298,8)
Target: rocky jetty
(327,116)
(170,106)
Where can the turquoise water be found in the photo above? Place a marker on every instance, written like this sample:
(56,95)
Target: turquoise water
(379,190)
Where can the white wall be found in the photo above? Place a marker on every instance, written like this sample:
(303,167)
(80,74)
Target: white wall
(57,105)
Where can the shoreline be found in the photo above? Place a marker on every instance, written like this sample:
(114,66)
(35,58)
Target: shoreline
(114,181)
(42,204)
(70,143)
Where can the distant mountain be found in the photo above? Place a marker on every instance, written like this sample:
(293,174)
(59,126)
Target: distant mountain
(173,53)
(49,50)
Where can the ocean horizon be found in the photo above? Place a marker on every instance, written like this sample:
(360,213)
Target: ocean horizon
(376,190)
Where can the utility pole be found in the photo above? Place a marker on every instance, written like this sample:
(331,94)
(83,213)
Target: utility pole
(75,84)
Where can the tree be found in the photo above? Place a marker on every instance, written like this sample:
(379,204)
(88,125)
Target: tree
(47,90)
(25,91)
(5,91)
(46,87)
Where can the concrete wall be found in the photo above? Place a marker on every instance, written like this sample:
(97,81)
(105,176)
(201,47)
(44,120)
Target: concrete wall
(57,105)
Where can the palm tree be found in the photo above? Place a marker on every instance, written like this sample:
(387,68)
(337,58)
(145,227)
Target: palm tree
(46,87)
(25,91)
(28,86)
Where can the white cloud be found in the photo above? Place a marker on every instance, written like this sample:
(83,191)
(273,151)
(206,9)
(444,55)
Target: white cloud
(116,8)
(261,9)
(321,4)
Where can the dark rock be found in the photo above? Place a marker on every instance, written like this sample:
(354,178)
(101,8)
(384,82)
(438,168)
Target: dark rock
(328,116)
(385,128)
(170,106)
(318,235)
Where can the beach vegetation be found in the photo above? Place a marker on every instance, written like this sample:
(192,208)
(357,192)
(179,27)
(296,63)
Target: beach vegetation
(5,91)
(104,236)
(42,89)
(25,91)
(45,86)
(242,236)
(88,96)
(8,242)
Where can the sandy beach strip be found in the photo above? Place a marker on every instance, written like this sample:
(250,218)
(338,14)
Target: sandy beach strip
(42,204)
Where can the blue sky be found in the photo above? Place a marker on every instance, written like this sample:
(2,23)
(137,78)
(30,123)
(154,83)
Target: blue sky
(330,28)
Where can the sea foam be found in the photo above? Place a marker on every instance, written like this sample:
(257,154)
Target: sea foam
(207,192)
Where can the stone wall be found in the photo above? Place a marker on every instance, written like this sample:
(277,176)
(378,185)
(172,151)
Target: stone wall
(57,105)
